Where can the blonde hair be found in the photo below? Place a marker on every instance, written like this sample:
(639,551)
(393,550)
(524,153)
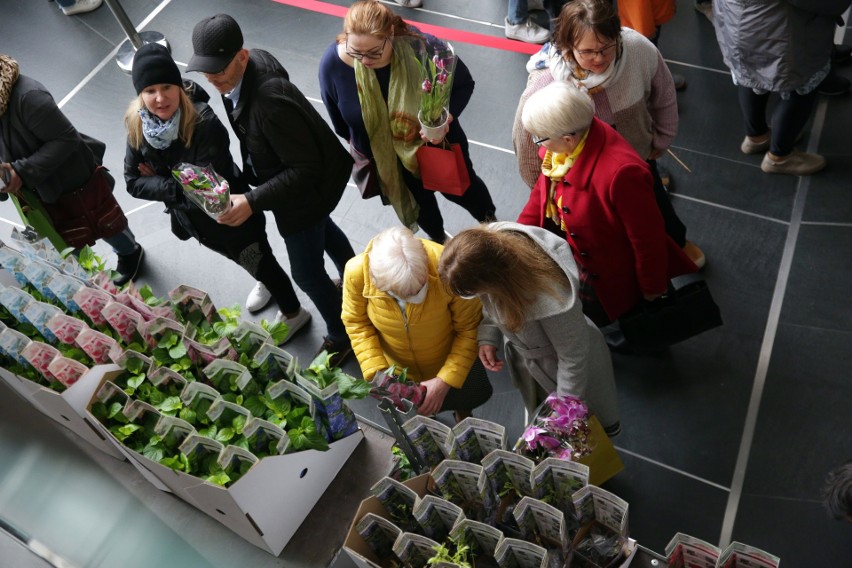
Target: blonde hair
(398,262)
(508,266)
(558,109)
(370,17)
(133,123)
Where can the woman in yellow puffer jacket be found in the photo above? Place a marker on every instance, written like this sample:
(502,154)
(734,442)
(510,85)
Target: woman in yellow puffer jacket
(397,312)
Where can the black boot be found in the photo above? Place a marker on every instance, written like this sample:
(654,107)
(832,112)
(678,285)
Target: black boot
(128,266)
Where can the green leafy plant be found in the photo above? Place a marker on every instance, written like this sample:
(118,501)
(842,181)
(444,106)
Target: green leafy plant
(323,375)
(305,436)
(454,552)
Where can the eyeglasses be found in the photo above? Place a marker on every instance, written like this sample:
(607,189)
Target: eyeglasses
(372,54)
(589,54)
(540,141)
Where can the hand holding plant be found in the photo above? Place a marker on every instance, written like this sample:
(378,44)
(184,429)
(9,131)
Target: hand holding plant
(204,187)
(560,430)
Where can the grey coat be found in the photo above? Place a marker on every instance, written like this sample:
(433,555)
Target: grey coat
(42,145)
(558,349)
(773,45)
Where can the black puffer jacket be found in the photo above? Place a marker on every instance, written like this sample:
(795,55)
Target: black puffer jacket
(49,154)
(298,165)
(210,145)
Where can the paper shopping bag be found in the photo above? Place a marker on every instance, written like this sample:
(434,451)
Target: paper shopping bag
(603,462)
(442,169)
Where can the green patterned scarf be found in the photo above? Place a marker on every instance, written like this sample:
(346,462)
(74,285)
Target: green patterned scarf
(394,130)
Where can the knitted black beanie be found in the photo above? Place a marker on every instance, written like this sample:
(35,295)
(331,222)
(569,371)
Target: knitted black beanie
(153,65)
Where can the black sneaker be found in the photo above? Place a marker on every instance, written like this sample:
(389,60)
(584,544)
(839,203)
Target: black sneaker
(841,53)
(339,350)
(128,266)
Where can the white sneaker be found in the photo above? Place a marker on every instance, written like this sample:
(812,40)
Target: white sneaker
(81,6)
(529,32)
(258,298)
(409,3)
(294,323)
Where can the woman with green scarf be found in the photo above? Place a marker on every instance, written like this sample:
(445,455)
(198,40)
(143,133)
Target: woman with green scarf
(370,83)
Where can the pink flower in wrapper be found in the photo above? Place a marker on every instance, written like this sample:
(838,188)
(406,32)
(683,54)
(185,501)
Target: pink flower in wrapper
(66,328)
(204,187)
(561,430)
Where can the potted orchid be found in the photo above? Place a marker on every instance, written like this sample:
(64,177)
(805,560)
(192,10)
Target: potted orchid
(437,63)
(560,429)
(204,187)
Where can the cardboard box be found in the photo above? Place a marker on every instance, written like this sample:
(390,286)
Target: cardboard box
(266,505)
(67,408)
(354,545)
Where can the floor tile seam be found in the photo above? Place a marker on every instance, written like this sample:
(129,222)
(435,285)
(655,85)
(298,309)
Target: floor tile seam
(699,67)
(729,208)
(674,469)
(816,328)
(827,224)
(770,334)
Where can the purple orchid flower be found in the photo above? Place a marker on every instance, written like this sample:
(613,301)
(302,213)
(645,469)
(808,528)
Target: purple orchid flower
(427,86)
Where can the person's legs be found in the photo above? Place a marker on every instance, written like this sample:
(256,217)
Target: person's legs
(520,27)
(430,218)
(124,243)
(788,119)
(248,246)
(72,7)
(674,226)
(307,262)
(518,12)
(475,391)
(337,246)
(753,108)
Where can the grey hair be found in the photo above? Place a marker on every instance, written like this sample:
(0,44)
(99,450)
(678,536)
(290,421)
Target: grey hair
(398,262)
(558,109)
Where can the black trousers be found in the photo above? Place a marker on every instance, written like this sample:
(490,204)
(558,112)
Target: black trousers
(248,246)
(674,226)
(788,117)
(475,391)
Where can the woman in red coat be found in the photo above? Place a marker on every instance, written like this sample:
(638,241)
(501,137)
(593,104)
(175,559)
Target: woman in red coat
(597,191)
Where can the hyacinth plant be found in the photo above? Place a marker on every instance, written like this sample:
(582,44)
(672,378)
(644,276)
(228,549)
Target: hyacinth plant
(560,430)
(204,187)
(438,64)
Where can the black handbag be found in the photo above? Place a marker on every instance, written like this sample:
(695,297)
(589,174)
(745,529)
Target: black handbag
(685,311)
(364,174)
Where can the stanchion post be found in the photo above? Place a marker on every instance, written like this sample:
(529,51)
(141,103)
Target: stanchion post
(135,40)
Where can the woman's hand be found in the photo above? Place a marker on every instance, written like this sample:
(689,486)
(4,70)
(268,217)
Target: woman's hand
(239,212)
(436,392)
(488,356)
(13,186)
(146,170)
(436,141)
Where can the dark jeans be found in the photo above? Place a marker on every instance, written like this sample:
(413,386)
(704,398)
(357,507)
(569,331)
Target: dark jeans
(674,226)
(518,10)
(788,117)
(476,200)
(248,246)
(306,249)
(475,391)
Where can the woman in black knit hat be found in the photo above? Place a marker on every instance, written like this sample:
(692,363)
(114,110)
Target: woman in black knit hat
(170,122)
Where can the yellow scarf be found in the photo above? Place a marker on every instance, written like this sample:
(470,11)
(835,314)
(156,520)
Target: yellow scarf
(555,166)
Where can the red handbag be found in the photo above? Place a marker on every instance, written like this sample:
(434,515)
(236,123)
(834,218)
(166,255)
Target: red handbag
(443,170)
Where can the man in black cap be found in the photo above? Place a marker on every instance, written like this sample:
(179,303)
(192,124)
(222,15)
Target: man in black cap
(295,162)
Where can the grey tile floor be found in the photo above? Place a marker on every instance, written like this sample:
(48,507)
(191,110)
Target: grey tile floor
(727,437)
